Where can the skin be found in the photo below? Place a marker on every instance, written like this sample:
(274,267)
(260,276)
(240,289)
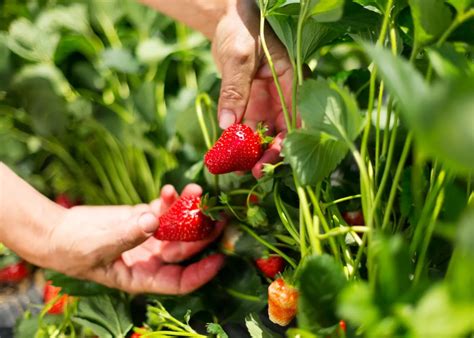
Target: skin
(113,245)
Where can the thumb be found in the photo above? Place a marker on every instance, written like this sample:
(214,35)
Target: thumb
(133,232)
(237,76)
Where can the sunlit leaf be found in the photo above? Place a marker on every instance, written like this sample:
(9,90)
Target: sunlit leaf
(431,19)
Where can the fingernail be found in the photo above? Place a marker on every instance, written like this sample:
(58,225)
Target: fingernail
(148,222)
(226,118)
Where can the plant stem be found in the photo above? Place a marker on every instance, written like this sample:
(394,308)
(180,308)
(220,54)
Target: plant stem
(427,238)
(243,296)
(340,200)
(272,66)
(200,99)
(377,130)
(396,179)
(342,231)
(268,245)
(299,36)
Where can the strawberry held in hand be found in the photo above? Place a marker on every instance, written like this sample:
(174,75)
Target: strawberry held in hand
(184,221)
(271,265)
(282,302)
(238,149)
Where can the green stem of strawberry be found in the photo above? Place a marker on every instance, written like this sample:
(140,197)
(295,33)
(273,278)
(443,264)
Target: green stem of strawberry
(244,296)
(201,99)
(268,245)
(339,200)
(284,215)
(263,7)
(342,231)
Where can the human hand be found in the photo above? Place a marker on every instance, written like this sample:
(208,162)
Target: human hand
(114,246)
(247,83)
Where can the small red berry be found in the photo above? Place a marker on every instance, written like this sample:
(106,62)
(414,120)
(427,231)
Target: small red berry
(354,217)
(14,273)
(184,221)
(238,149)
(342,325)
(270,266)
(50,291)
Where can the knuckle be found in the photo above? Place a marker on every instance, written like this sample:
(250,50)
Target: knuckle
(231,93)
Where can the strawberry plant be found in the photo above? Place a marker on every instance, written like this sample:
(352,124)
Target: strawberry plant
(363,227)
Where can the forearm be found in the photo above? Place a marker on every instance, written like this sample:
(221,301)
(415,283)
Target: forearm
(26,217)
(202,15)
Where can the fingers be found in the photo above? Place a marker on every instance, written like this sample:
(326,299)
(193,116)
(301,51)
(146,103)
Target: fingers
(191,190)
(178,280)
(271,155)
(130,233)
(173,252)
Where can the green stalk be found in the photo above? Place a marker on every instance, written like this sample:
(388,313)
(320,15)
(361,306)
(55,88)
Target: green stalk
(145,174)
(342,231)
(427,238)
(386,131)
(272,66)
(268,245)
(377,130)
(284,216)
(299,36)
(243,296)
(396,179)
(427,211)
(203,98)
(100,172)
(340,200)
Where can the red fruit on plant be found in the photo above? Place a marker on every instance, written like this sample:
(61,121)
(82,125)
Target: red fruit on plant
(135,335)
(238,149)
(342,325)
(14,273)
(184,221)
(50,291)
(64,201)
(282,302)
(354,217)
(270,266)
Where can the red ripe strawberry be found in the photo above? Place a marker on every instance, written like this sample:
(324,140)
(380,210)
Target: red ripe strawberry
(64,201)
(184,221)
(354,217)
(270,266)
(342,325)
(135,335)
(282,302)
(14,273)
(51,292)
(238,149)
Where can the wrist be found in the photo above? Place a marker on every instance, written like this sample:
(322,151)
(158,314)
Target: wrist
(26,218)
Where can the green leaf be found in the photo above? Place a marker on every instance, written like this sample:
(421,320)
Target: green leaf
(321,281)
(400,77)
(444,124)
(216,329)
(449,63)
(461,5)
(437,316)
(356,303)
(393,268)
(441,116)
(77,287)
(326,10)
(431,19)
(153,50)
(120,60)
(460,274)
(107,316)
(73,18)
(29,42)
(257,329)
(324,107)
(313,156)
